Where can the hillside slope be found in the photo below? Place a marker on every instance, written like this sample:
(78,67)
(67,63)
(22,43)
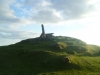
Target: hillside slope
(58,55)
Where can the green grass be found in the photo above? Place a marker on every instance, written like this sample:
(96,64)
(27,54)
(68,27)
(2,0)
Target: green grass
(40,58)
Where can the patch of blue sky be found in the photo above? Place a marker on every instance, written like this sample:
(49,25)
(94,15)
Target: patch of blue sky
(17,12)
(24,7)
(20,1)
(21,11)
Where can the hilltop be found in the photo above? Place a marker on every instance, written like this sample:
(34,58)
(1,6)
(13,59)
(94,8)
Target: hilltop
(54,56)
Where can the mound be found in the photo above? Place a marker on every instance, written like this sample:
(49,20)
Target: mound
(55,43)
(36,57)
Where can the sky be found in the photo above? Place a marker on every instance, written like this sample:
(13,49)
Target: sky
(22,19)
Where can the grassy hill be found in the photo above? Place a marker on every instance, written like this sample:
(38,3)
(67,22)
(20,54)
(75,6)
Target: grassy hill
(60,55)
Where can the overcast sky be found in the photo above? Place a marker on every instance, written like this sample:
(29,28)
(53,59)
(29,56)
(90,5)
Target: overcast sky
(22,19)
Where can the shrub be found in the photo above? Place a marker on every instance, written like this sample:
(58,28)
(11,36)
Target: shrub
(59,45)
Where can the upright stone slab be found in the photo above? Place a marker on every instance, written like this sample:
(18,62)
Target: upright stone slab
(43,35)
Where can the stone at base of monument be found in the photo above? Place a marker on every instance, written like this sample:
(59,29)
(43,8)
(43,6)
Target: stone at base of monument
(49,35)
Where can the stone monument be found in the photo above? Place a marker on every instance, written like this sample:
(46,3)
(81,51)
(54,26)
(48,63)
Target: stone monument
(43,35)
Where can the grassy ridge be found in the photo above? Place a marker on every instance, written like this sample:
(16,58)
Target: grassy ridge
(35,57)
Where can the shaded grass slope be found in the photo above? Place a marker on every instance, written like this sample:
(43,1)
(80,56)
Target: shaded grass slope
(59,55)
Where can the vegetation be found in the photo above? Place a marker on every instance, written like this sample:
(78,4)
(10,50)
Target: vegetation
(60,55)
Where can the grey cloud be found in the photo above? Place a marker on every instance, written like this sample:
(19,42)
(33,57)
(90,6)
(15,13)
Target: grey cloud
(9,20)
(6,1)
(36,3)
(15,34)
(66,4)
(42,12)
(72,9)
(45,11)
(45,16)
(69,10)
(32,2)
(7,15)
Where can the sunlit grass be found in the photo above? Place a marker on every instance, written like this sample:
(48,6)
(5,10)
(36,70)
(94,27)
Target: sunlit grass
(40,58)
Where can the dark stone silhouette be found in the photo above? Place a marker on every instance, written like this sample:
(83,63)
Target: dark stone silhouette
(49,34)
(44,36)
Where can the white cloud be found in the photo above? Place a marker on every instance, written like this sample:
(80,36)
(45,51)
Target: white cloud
(7,16)
(46,16)
(16,34)
(73,9)
(9,22)
(45,11)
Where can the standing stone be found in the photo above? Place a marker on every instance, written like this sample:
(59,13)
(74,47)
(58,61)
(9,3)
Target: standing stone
(43,35)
